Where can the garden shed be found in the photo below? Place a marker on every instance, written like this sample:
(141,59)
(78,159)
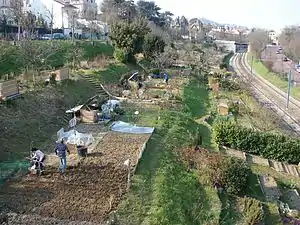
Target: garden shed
(9,89)
(61,74)
(223,108)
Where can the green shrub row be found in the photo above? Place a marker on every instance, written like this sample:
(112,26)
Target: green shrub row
(268,145)
(225,61)
(15,58)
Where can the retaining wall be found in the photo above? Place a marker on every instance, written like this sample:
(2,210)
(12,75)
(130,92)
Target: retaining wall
(293,170)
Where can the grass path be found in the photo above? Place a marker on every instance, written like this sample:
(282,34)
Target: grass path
(163,192)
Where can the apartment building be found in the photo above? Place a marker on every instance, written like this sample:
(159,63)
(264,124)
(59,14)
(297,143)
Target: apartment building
(7,8)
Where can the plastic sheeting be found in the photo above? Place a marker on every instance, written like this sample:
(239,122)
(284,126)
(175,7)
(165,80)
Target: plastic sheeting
(123,127)
(75,138)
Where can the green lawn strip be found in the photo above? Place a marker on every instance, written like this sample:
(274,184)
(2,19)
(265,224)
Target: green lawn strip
(273,78)
(196,99)
(163,191)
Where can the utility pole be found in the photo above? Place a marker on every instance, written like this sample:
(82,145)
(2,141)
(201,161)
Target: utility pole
(289,89)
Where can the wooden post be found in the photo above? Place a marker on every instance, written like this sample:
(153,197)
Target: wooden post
(128,177)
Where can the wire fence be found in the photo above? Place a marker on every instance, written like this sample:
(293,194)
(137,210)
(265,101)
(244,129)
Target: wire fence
(10,168)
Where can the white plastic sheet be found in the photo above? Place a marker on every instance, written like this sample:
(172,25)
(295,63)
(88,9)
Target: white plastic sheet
(74,137)
(123,127)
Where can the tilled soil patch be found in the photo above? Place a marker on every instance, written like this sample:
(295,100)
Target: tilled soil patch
(88,192)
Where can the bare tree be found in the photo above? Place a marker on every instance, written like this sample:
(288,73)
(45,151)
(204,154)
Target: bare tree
(17,11)
(165,59)
(258,41)
(290,41)
(50,16)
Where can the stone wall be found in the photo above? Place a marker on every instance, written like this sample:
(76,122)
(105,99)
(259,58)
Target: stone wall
(290,169)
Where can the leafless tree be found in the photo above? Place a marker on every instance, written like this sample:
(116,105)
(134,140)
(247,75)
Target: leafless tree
(258,41)
(50,16)
(165,59)
(290,41)
(17,11)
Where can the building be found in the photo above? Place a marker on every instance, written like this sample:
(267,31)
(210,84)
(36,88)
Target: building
(8,9)
(273,36)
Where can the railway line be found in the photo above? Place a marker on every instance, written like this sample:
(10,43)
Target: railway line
(267,94)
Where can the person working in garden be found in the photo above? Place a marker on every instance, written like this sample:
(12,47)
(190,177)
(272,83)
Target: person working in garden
(166,78)
(37,158)
(61,150)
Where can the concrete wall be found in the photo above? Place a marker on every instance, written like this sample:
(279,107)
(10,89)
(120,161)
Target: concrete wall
(228,45)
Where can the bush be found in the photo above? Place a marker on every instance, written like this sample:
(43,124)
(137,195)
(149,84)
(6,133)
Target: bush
(253,212)
(225,61)
(235,174)
(120,55)
(153,45)
(155,71)
(230,173)
(268,145)
(269,65)
(229,85)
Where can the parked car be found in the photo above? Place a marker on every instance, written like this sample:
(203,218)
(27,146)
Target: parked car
(297,67)
(277,52)
(54,36)
(46,37)
(285,59)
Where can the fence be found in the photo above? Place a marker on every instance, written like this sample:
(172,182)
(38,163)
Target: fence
(293,170)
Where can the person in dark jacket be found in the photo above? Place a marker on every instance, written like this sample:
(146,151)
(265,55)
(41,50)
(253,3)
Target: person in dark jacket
(61,150)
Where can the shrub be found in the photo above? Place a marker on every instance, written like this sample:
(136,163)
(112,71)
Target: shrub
(253,212)
(235,175)
(268,145)
(155,71)
(269,65)
(230,173)
(121,55)
(228,85)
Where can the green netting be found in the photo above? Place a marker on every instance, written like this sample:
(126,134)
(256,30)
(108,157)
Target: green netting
(9,169)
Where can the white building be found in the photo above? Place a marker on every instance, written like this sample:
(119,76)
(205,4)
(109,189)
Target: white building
(8,9)
(273,36)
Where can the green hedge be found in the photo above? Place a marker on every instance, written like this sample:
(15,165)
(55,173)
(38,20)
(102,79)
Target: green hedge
(268,145)
(225,61)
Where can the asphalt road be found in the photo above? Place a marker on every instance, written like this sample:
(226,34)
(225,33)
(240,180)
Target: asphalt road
(279,65)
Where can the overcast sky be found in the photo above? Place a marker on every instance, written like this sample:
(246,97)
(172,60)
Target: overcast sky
(271,14)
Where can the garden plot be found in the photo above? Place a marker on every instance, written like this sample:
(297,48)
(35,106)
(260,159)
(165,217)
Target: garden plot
(156,88)
(88,191)
(270,188)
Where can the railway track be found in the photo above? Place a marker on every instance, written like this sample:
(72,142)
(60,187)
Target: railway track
(268,94)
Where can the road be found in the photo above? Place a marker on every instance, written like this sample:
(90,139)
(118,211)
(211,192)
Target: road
(279,65)
(267,94)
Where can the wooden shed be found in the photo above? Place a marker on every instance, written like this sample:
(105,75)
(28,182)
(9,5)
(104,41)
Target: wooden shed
(61,74)
(223,108)
(9,89)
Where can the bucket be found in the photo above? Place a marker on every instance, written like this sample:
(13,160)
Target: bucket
(82,151)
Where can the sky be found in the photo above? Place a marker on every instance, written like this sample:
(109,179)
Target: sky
(270,14)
